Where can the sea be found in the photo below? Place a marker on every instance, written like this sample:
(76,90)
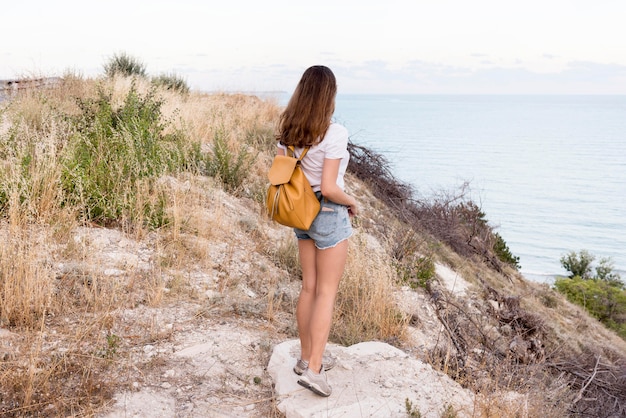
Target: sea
(549,172)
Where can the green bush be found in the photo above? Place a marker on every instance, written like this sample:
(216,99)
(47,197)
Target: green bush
(580,265)
(230,167)
(602,300)
(416,271)
(602,295)
(125,65)
(173,82)
(115,155)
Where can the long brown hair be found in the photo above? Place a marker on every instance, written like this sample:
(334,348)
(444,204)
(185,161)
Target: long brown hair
(307,116)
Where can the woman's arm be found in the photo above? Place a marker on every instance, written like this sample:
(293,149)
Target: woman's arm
(331,190)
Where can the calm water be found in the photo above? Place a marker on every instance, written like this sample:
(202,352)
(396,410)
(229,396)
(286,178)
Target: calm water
(548,171)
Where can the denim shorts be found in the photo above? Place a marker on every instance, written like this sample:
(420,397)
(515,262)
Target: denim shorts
(331,226)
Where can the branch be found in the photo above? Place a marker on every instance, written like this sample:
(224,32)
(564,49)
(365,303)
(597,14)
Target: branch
(580,394)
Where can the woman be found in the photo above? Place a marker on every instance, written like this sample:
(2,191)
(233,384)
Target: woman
(323,249)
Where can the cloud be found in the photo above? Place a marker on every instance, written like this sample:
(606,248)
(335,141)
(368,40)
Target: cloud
(596,72)
(421,77)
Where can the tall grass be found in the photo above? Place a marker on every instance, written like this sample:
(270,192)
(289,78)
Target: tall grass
(172,81)
(366,308)
(29,172)
(26,281)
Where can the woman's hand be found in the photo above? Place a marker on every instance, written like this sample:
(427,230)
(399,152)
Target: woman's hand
(353,209)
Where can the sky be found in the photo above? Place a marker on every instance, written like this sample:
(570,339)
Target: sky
(390,46)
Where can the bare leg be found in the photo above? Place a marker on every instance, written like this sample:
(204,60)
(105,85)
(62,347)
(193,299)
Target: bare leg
(330,265)
(304,309)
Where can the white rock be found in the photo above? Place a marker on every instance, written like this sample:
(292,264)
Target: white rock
(373,379)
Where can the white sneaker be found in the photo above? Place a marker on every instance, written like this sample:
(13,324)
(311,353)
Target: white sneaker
(328,362)
(317,383)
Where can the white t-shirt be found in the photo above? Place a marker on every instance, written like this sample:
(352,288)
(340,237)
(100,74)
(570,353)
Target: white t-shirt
(334,146)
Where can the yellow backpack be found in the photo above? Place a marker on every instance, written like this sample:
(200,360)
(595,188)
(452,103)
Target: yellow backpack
(290,198)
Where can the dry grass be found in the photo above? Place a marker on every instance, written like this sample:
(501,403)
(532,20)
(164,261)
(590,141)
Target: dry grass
(66,348)
(366,308)
(26,281)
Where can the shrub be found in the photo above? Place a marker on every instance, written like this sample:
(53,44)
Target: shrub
(416,271)
(112,161)
(173,82)
(602,295)
(504,253)
(230,167)
(413,269)
(125,65)
(602,300)
(411,410)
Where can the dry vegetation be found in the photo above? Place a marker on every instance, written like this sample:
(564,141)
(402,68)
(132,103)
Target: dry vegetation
(76,264)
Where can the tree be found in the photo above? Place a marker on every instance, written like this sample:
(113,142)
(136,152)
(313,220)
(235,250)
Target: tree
(604,271)
(602,295)
(578,264)
(504,253)
(124,64)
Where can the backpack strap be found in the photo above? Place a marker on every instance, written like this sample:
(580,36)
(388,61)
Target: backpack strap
(291,151)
